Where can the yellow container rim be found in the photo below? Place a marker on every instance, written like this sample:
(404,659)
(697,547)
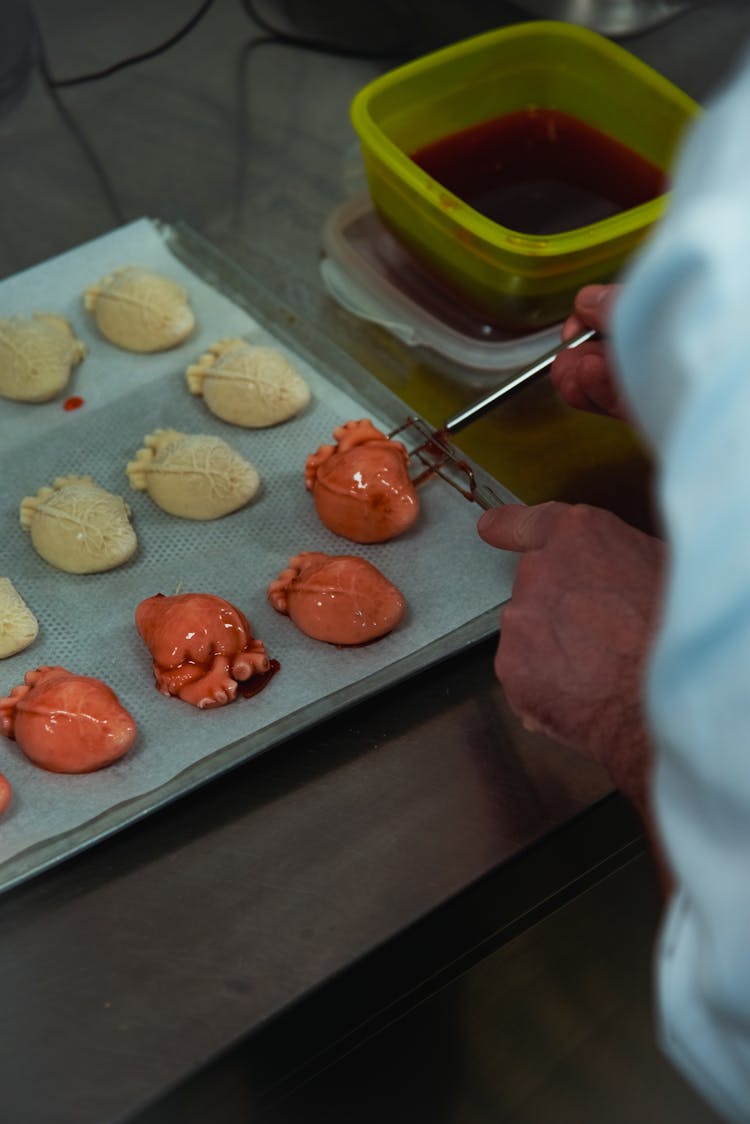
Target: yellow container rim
(484,229)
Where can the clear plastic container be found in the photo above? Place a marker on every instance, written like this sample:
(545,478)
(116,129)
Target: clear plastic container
(372,275)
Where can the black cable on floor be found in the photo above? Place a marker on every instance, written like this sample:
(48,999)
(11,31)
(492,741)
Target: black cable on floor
(271,34)
(52,85)
(77,132)
(131,60)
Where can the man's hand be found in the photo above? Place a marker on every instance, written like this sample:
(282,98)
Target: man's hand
(576,633)
(583,375)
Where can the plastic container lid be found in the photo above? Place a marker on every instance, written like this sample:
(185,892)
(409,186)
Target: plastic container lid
(372,275)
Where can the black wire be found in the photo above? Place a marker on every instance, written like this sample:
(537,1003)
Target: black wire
(95,75)
(274,34)
(76,131)
(53,84)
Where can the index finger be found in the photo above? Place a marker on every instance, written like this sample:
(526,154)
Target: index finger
(517,527)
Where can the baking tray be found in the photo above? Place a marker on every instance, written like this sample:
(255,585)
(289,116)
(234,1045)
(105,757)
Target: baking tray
(454,583)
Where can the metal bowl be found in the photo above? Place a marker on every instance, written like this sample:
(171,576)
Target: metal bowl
(609,17)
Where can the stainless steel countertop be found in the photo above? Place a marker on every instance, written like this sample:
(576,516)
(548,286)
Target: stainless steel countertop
(126,968)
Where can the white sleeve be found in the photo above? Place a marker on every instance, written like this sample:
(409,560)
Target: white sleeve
(682,338)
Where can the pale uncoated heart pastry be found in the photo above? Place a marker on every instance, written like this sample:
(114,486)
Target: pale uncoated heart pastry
(18,625)
(194,476)
(140,310)
(79,527)
(37,356)
(248,384)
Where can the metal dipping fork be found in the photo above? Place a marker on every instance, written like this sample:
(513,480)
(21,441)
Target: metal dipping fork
(439,458)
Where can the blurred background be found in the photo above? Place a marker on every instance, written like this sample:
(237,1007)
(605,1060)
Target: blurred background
(233,117)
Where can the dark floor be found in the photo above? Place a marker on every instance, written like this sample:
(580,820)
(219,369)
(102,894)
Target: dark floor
(543,1030)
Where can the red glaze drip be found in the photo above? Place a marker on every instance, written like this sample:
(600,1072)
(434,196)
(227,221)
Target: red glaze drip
(73,403)
(259,682)
(439,461)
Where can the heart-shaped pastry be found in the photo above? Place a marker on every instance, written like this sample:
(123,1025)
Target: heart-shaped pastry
(201,647)
(6,793)
(18,625)
(67,723)
(361,485)
(194,476)
(140,310)
(340,598)
(248,385)
(37,356)
(79,527)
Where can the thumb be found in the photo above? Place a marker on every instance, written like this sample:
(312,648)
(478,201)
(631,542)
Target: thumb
(594,305)
(516,527)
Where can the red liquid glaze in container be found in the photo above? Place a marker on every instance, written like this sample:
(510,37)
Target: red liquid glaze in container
(540,171)
(453,100)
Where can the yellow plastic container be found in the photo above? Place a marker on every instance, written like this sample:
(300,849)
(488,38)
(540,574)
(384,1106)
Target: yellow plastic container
(518,280)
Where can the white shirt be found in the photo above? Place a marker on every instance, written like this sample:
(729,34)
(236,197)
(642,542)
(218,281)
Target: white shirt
(682,337)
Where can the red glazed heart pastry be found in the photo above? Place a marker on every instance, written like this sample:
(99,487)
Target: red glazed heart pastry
(67,723)
(361,486)
(6,793)
(202,647)
(339,598)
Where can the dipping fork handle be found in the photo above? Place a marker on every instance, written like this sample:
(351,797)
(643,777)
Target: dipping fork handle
(483,405)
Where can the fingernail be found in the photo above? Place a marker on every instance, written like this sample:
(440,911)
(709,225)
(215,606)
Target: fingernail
(591,296)
(485,521)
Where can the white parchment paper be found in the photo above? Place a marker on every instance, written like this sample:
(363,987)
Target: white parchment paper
(447,574)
